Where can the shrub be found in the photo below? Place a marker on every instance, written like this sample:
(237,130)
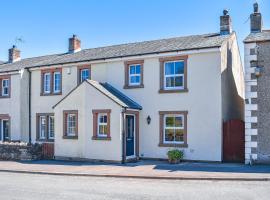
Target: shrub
(175,155)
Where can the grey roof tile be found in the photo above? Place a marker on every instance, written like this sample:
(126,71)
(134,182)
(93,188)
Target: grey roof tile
(258,37)
(123,50)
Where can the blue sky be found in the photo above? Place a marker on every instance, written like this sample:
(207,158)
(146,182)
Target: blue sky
(46,25)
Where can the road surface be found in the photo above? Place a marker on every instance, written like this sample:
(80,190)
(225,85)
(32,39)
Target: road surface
(15,186)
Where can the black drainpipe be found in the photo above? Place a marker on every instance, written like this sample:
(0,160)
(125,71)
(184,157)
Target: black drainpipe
(29,106)
(123,136)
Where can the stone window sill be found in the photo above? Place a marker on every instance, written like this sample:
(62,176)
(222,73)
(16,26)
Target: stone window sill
(70,137)
(172,145)
(101,138)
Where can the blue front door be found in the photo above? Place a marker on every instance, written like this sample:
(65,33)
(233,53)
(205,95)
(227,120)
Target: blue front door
(130,134)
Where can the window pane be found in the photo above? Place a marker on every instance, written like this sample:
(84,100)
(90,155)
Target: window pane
(179,67)
(51,127)
(42,129)
(170,82)
(133,79)
(57,82)
(178,81)
(47,85)
(138,69)
(178,121)
(85,74)
(179,135)
(169,68)
(169,135)
(132,69)
(169,122)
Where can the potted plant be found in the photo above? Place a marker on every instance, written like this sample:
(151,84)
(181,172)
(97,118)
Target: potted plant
(175,156)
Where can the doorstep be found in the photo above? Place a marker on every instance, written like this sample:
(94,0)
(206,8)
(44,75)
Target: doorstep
(143,169)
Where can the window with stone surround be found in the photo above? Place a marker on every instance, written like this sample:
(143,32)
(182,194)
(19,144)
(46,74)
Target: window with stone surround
(101,124)
(5,87)
(51,82)
(173,128)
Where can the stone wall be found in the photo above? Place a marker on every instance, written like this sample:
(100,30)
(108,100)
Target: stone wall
(263,101)
(20,151)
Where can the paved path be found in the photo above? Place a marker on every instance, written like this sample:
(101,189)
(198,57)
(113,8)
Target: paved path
(43,187)
(143,169)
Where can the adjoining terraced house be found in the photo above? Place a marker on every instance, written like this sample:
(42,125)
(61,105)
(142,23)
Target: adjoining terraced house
(128,101)
(257,79)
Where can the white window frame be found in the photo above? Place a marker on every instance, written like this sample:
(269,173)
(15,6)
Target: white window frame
(51,117)
(174,128)
(5,87)
(173,75)
(42,136)
(47,81)
(81,74)
(68,123)
(56,81)
(134,75)
(102,124)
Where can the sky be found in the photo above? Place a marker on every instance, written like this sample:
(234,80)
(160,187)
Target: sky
(46,25)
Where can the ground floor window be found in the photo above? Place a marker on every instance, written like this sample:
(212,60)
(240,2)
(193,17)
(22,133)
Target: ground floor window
(101,124)
(71,124)
(5,129)
(45,126)
(173,128)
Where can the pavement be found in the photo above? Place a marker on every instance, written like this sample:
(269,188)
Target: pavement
(14,186)
(143,169)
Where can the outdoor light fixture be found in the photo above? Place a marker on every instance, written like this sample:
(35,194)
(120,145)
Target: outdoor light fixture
(258,71)
(148,119)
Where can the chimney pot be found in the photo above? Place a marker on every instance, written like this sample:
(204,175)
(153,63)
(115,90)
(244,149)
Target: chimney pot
(74,44)
(225,23)
(256,7)
(14,54)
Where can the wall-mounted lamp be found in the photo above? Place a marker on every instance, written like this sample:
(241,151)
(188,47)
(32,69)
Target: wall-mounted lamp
(258,71)
(148,119)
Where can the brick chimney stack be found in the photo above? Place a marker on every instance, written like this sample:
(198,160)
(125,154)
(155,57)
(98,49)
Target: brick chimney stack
(74,44)
(225,23)
(14,54)
(256,20)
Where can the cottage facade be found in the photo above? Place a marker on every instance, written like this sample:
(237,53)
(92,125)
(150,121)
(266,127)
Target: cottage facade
(129,101)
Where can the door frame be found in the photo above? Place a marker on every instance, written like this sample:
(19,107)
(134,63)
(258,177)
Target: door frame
(5,117)
(134,143)
(136,136)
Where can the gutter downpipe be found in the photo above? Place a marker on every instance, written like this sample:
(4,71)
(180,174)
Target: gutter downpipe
(29,106)
(123,136)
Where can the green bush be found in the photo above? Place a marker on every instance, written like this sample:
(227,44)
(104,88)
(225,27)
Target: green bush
(175,154)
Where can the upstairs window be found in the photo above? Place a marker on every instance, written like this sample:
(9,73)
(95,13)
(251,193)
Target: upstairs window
(84,73)
(4,86)
(51,82)
(134,74)
(173,74)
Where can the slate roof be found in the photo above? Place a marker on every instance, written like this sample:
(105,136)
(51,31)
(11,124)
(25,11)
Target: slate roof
(123,50)
(111,92)
(258,37)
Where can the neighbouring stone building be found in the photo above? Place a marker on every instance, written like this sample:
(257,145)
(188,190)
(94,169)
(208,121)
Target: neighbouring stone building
(257,81)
